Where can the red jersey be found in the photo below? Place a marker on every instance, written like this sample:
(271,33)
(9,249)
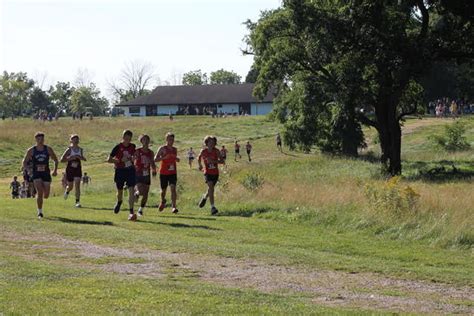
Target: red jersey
(210,159)
(124,155)
(237,147)
(143,161)
(168,166)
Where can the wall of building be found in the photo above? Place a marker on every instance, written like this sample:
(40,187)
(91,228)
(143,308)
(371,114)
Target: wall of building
(134,110)
(260,108)
(228,108)
(167,109)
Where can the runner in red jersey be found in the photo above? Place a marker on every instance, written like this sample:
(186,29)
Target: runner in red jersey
(122,158)
(143,163)
(237,150)
(168,156)
(211,156)
(224,156)
(248,147)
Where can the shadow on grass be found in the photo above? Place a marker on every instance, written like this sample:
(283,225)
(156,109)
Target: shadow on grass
(79,221)
(440,171)
(97,208)
(246,212)
(190,217)
(180,225)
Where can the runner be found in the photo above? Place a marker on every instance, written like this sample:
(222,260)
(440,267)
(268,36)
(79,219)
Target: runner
(237,150)
(86,179)
(224,156)
(40,154)
(211,157)
(122,158)
(248,147)
(278,142)
(191,155)
(143,161)
(15,186)
(168,156)
(74,155)
(28,178)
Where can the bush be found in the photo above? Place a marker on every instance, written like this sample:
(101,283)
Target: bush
(392,197)
(453,138)
(252,181)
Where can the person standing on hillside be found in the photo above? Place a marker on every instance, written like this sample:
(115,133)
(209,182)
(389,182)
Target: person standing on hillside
(248,148)
(15,187)
(237,150)
(122,158)
(278,142)
(86,179)
(40,155)
(143,163)
(211,157)
(73,156)
(167,155)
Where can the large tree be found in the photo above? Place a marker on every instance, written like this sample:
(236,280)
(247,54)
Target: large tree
(136,79)
(88,99)
(195,78)
(222,76)
(365,56)
(60,96)
(15,92)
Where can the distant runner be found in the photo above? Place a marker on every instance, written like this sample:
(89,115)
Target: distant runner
(73,156)
(248,148)
(122,158)
(237,150)
(86,179)
(143,163)
(191,157)
(224,156)
(40,155)
(211,157)
(15,187)
(167,155)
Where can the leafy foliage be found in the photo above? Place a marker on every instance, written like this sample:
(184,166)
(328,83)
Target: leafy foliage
(222,76)
(195,78)
(454,137)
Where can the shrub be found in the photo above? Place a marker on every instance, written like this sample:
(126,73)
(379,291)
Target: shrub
(453,138)
(252,181)
(392,197)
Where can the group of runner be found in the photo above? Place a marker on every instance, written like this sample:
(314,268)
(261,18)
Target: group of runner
(133,167)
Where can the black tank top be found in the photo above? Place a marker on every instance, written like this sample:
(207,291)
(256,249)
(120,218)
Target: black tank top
(40,159)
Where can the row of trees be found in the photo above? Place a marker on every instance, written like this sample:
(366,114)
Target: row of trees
(221,76)
(21,95)
(339,64)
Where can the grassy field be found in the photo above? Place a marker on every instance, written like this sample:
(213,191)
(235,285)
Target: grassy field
(319,235)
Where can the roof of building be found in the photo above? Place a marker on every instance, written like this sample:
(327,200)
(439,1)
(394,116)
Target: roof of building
(195,95)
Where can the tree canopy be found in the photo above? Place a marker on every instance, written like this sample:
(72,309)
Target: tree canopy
(337,64)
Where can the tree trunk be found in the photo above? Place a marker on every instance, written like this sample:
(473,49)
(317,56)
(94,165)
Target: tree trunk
(390,136)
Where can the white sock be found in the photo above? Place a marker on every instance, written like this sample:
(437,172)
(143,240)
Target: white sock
(40,211)
(140,209)
(212,206)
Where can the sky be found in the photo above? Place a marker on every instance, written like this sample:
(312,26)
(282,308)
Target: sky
(53,40)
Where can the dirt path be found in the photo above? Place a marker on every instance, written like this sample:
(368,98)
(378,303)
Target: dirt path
(330,288)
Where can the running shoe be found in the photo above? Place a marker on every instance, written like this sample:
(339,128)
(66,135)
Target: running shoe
(175,210)
(78,205)
(40,215)
(117,208)
(132,217)
(140,212)
(162,206)
(214,211)
(203,201)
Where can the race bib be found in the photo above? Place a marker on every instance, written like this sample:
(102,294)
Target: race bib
(41,168)
(211,166)
(128,163)
(74,164)
(146,173)
(171,168)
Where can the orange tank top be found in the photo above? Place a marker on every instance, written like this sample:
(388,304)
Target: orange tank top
(168,166)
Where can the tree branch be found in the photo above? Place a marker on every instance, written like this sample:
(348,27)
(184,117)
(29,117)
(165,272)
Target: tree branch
(425,18)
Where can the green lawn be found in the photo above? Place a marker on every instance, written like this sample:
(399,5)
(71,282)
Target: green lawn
(306,241)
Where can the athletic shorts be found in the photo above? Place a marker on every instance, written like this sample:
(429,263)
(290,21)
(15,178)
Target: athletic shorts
(146,180)
(168,179)
(224,158)
(237,151)
(125,176)
(15,194)
(248,152)
(279,144)
(73,173)
(211,178)
(44,176)
(191,158)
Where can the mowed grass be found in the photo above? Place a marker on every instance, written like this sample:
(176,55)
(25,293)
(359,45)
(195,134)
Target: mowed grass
(311,212)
